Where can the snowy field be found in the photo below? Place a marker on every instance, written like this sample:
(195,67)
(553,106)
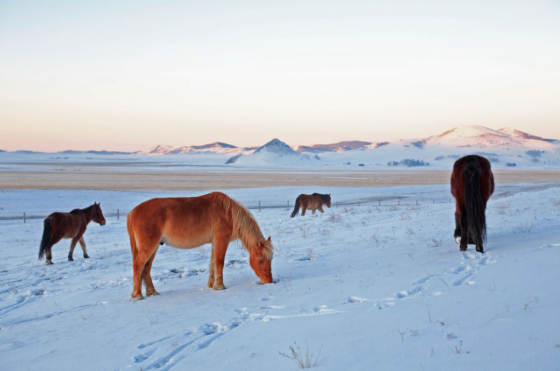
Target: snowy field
(363,287)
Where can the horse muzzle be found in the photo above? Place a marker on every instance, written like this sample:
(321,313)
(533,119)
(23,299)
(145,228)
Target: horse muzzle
(267,280)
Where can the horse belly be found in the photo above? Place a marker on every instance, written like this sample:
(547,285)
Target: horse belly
(186,241)
(71,233)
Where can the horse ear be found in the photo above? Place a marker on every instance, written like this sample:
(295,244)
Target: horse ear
(259,244)
(269,239)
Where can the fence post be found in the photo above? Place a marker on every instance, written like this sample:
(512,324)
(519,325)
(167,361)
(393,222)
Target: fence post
(23,218)
(118,214)
(259,206)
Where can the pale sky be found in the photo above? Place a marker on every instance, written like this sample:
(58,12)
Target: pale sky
(127,75)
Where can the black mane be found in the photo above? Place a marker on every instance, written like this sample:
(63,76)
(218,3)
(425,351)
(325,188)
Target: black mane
(324,198)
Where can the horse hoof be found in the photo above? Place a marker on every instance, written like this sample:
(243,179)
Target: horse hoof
(70,259)
(48,262)
(153,293)
(219,287)
(210,284)
(462,249)
(480,251)
(86,256)
(137,297)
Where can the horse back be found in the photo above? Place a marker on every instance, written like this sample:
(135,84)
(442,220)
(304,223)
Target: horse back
(67,225)
(458,178)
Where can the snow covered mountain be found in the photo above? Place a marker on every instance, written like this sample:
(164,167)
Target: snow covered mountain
(277,147)
(505,147)
(216,147)
(483,137)
(274,152)
(333,147)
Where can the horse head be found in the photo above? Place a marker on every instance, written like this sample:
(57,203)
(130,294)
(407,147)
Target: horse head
(98,214)
(328,200)
(261,260)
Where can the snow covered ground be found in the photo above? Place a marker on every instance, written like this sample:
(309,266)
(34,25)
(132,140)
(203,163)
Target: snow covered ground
(365,288)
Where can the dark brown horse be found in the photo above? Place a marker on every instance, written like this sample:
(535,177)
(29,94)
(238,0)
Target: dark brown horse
(68,225)
(472,184)
(312,202)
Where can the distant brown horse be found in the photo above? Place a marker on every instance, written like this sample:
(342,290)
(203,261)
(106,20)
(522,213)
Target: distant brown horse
(68,225)
(472,184)
(191,222)
(313,202)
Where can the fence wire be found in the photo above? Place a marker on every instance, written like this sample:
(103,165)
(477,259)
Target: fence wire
(121,214)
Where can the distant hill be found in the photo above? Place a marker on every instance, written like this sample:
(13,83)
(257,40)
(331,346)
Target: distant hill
(333,147)
(505,147)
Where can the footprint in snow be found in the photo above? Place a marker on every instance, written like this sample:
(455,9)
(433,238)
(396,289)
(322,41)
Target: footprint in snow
(355,299)
(422,280)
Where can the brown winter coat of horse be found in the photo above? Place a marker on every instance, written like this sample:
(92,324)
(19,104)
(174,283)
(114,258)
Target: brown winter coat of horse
(312,202)
(191,222)
(68,225)
(472,184)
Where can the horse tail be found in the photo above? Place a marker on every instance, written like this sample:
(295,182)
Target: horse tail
(474,203)
(296,207)
(47,237)
(133,247)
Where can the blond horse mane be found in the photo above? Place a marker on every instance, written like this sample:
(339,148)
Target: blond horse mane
(245,227)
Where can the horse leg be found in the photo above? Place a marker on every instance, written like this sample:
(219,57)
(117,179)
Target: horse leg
(219,250)
(72,246)
(313,211)
(480,248)
(457,233)
(464,232)
(48,250)
(303,210)
(211,270)
(48,255)
(83,245)
(320,208)
(140,262)
(147,277)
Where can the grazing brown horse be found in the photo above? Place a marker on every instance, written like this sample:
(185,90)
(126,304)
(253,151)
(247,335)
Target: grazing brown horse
(313,202)
(191,222)
(472,184)
(68,225)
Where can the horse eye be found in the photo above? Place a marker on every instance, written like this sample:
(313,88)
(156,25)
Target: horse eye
(261,261)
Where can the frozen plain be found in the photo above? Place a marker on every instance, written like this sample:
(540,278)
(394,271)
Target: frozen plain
(361,287)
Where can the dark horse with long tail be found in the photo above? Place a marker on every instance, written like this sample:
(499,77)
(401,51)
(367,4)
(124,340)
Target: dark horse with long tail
(472,184)
(68,225)
(312,202)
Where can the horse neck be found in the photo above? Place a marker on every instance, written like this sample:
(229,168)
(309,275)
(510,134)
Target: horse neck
(245,226)
(88,213)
